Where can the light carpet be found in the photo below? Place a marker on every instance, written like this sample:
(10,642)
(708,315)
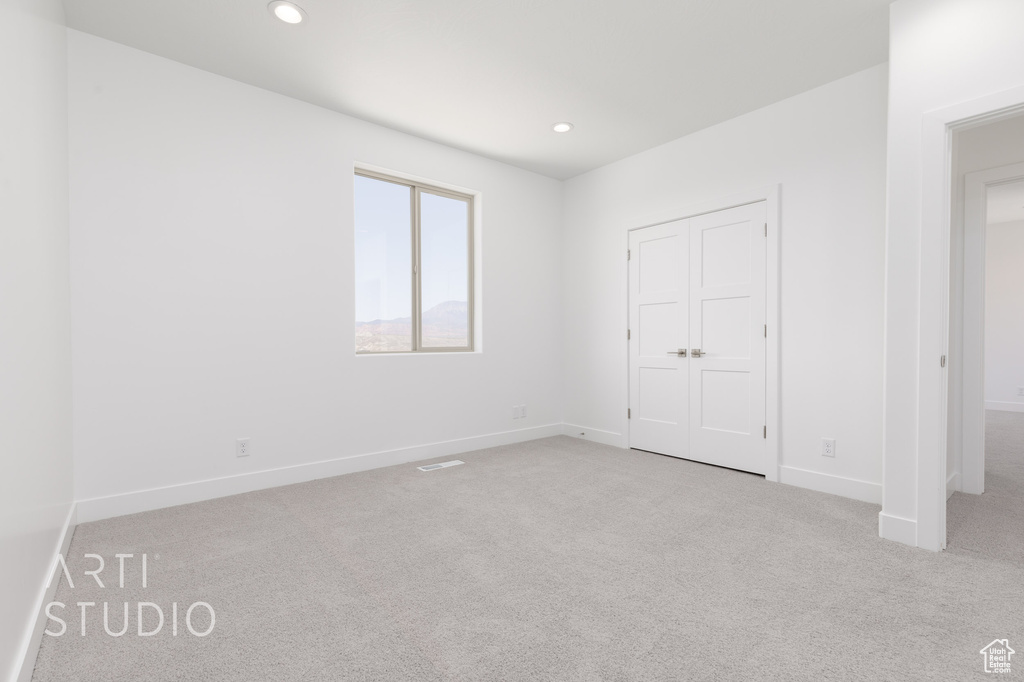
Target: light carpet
(557,559)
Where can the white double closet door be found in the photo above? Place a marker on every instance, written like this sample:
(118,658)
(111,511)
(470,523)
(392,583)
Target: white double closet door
(697,338)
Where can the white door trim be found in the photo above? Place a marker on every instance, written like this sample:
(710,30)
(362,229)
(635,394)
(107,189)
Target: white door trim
(771,195)
(972,466)
(934,305)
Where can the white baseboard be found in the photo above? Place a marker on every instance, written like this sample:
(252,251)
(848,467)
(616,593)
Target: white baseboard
(952,484)
(597,435)
(1004,406)
(34,632)
(897,528)
(171,496)
(864,491)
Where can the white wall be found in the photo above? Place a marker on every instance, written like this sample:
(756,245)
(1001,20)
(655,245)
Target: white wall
(942,53)
(213,294)
(35,337)
(1004,316)
(827,149)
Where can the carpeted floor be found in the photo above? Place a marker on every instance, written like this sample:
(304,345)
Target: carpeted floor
(557,559)
(993,524)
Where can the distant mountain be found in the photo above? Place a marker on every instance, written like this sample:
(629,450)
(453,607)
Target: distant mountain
(397,320)
(445,324)
(447,314)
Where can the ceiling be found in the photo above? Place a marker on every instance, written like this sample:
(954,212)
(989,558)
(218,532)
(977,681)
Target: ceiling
(1006,203)
(492,76)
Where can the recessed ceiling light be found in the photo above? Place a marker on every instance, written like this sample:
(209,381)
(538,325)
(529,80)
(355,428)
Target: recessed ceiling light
(562,127)
(288,12)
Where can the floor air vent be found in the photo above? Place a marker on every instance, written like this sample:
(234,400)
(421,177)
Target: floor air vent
(442,465)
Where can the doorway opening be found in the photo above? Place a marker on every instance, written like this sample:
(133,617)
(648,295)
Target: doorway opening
(986,325)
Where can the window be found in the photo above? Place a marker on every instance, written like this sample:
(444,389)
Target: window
(414,266)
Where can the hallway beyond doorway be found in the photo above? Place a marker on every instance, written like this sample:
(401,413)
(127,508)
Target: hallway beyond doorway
(992,524)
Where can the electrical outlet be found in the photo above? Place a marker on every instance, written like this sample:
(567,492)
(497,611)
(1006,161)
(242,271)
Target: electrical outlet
(242,447)
(1020,391)
(828,447)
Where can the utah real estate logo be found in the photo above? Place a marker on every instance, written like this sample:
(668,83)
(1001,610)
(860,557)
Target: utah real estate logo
(997,656)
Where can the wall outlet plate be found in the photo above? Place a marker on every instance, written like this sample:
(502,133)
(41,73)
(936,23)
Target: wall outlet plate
(242,447)
(828,447)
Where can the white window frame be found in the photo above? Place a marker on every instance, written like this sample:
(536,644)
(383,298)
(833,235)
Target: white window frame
(417,188)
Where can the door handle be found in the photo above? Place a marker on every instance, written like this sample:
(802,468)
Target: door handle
(697,352)
(681,352)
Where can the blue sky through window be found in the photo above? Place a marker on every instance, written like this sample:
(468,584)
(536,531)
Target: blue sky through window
(444,249)
(383,225)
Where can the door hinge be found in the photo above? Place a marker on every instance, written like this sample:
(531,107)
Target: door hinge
(627,254)
(764,433)
(942,361)
(629,413)
(628,334)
